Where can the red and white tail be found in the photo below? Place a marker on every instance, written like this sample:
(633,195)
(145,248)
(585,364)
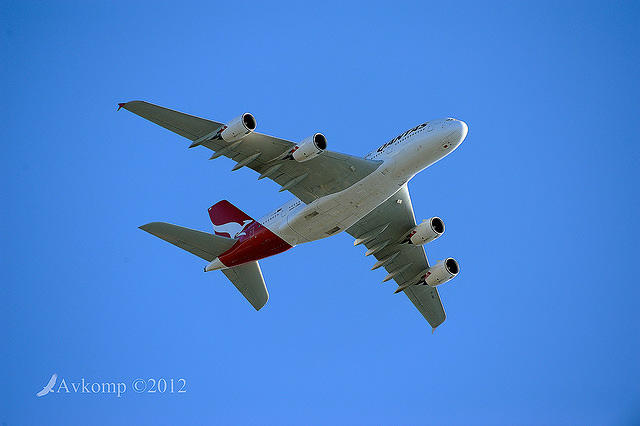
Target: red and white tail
(228,220)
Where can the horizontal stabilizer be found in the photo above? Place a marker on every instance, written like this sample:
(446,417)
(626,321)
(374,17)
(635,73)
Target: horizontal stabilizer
(247,278)
(202,244)
(249,281)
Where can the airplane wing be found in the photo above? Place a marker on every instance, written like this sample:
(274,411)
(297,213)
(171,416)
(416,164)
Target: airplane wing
(382,230)
(327,173)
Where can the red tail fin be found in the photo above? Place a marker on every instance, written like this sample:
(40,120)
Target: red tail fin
(228,220)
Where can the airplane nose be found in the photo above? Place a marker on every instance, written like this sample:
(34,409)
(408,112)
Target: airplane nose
(461,130)
(456,131)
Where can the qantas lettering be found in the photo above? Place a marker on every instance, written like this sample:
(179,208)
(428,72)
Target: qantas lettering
(397,138)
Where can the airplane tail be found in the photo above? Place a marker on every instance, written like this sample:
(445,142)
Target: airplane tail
(228,220)
(247,278)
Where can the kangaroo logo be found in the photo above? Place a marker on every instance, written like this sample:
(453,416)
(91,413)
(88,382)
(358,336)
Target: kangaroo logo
(232,229)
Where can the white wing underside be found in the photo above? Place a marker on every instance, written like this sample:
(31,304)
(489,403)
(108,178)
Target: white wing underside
(325,174)
(410,260)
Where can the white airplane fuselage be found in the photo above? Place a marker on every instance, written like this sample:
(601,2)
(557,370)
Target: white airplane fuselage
(402,158)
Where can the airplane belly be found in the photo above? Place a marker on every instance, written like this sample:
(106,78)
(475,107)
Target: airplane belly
(334,213)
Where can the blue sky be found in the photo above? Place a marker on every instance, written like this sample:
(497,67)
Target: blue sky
(540,204)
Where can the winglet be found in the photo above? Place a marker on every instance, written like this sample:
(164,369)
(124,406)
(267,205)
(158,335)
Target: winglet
(120,105)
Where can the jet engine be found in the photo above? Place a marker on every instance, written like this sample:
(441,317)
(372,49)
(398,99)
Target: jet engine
(238,128)
(441,272)
(426,232)
(309,148)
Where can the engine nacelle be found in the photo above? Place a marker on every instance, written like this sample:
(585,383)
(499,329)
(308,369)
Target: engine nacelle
(309,148)
(426,232)
(238,128)
(441,272)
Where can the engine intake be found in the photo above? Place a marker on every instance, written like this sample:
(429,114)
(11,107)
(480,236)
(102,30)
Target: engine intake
(309,148)
(426,232)
(441,272)
(238,128)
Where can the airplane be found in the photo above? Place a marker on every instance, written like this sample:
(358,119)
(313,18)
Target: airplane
(367,197)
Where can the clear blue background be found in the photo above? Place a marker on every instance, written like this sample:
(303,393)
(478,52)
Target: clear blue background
(540,203)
